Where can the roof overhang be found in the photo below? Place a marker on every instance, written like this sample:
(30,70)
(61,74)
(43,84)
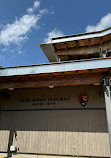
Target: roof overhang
(82,36)
(70,41)
(73,73)
(48,49)
(80,65)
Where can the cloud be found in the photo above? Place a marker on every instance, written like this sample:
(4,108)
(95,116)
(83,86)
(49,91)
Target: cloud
(54,33)
(104,23)
(43,11)
(30,10)
(35,6)
(17,31)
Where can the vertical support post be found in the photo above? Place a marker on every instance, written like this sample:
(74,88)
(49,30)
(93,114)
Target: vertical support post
(107,94)
(10,142)
(100,53)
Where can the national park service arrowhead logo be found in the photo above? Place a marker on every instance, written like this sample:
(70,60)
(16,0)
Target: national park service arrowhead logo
(83,99)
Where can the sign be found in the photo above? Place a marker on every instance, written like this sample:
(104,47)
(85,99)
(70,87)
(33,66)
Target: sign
(44,101)
(83,99)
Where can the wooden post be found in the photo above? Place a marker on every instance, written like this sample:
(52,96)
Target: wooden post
(107,94)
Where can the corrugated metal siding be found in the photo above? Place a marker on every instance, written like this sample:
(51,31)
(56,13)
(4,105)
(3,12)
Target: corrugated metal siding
(77,131)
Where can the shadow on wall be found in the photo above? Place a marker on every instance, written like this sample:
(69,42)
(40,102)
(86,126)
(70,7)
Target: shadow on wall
(70,116)
(55,120)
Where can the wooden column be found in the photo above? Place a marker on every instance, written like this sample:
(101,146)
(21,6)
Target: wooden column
(107,94)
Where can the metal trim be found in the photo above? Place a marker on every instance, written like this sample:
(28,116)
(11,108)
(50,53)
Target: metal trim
(57,67)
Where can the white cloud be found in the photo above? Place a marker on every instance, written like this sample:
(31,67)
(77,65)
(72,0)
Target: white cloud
(54,33)
(17,31)
(43,11)
(104,23)
(30,10)
(35,6)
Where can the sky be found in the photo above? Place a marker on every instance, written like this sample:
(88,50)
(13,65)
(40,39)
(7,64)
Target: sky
(25,24)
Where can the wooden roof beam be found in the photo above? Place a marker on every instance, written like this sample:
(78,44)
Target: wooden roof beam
(46,82)
(79,51)
(85,50)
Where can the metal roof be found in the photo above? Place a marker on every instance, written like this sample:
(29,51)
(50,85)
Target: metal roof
(57,67)
(82,36)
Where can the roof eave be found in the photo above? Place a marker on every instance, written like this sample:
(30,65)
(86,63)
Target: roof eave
(57,67)
(49,52)
(82,36)
(48,48)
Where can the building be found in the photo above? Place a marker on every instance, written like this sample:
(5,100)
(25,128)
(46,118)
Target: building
(61,109)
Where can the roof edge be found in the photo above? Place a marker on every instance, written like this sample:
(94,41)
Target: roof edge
(80,34)
(57,67)
(49,52)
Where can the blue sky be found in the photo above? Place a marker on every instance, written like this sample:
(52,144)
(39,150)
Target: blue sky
(25,24)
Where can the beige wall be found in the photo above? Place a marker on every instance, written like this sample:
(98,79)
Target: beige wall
(72,130)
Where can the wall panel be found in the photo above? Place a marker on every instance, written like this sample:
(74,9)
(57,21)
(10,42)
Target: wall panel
(63,128)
